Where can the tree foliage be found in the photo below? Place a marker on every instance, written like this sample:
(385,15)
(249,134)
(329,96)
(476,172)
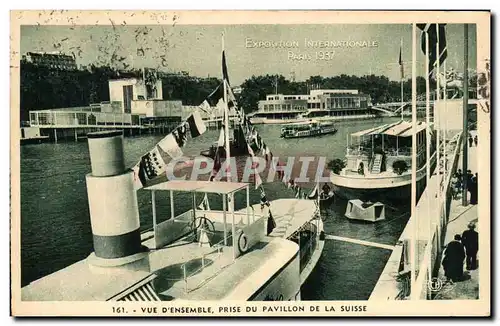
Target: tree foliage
(400,167)
(336,165)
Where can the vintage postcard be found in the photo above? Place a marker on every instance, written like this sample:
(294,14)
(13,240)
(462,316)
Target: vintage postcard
(250,163)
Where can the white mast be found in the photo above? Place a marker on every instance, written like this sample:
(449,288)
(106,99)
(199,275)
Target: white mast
(228,156)
(428,133)
(413,162)
(401,70)
(444,140)
(438,140)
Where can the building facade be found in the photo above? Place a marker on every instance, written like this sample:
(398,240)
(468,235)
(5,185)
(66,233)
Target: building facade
(320,104)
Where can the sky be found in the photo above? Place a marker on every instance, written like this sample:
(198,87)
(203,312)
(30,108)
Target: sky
(197,48)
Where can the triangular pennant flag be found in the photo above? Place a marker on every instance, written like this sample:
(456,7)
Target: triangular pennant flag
(297,194)
(258,181)
(204,205)
(436,33)
(314,193)
(180,135)
(149,167)
(271,223)
(170,146)
(231,99)
(204,106)
(250,151)
(224,68)
(196,124)
(138,182)
(214,97)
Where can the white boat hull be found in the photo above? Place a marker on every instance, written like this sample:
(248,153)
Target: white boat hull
(257,120)
(373,186)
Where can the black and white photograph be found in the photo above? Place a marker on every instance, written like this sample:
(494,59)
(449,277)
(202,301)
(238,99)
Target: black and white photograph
(205,163)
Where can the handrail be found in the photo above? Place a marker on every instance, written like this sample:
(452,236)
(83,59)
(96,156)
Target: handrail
(218,248)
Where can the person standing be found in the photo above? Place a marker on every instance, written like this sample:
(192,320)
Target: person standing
(470,141)
(475,140)
(453,261)
(468,183)
(470,240)
(473,190)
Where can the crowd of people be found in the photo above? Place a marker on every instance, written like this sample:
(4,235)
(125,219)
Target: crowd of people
(463,247)
(471,185)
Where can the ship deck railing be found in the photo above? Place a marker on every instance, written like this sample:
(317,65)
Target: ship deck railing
(72,119)
(390,151)
(217,262)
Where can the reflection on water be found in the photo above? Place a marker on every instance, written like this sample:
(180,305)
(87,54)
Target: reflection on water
(55,224)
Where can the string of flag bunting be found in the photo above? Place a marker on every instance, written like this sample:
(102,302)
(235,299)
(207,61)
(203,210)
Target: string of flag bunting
(152,164)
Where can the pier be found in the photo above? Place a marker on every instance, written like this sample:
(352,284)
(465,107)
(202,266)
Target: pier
(434,229)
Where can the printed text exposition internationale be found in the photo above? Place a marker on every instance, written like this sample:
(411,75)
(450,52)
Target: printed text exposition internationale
(269,44)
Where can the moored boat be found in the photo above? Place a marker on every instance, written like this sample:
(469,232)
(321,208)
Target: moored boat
(378,163)
(326,196)
(320,104)
(311,128)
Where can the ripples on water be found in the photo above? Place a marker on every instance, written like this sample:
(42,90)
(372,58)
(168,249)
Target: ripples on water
(55,223)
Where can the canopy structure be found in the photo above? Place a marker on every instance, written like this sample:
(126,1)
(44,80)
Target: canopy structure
(213,187)
(400,129)
(226,189)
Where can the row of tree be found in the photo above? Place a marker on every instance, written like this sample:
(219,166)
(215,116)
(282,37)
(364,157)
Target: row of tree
(46,88)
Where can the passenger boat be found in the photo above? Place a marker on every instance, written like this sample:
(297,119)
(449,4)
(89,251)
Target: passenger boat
(378,163)
(311,128)
(319,104)
(195,254)
(190,255)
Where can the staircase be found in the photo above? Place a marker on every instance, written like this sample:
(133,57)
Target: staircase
(377,163)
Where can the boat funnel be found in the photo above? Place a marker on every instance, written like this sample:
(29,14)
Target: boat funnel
(114,213)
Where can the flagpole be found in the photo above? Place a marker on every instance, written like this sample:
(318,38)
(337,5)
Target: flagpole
(438,141)
(413,162)
(401,68)
(464,113)
(439,156)
(444,195)
(228,156)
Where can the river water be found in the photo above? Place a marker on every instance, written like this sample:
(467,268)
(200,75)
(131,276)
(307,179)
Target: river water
(55,223)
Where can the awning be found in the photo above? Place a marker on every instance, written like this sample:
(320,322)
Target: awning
(400,129)
(215,187)
(420,126)
(374,131)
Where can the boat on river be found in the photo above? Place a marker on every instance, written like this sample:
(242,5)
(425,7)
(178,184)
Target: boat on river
(326,196)
(378,162)
(311,128)
(196,254)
